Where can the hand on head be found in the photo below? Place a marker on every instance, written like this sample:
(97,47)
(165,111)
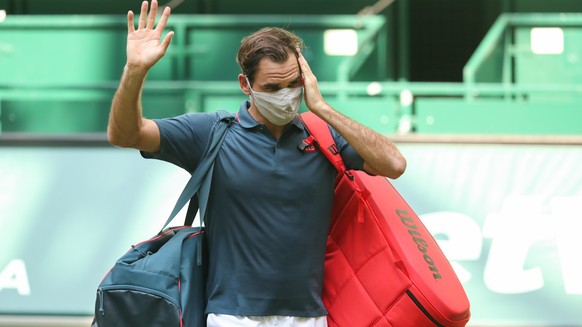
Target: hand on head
(313,98)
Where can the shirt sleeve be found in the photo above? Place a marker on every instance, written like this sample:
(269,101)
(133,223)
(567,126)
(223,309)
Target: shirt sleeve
(183,139)
(352,159)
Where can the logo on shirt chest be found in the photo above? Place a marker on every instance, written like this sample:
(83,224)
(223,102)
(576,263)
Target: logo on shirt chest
(308,145)
(310,148)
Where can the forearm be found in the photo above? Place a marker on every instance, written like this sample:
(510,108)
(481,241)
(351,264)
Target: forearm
(125,117)
(380,155)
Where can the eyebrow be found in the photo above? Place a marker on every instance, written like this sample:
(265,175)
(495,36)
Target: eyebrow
(272,86)
(295,81)
(277,86)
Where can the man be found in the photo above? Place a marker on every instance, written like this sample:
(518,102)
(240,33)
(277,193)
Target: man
(270,203)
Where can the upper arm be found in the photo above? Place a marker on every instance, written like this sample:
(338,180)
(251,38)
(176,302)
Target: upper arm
(351,158)
(180,140)
(149,137)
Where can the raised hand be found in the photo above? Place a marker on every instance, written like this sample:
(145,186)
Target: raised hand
(313,99)
(144,48)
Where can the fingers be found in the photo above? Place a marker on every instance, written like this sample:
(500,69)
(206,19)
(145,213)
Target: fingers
(143,15)
(312,95)
(130,23)
(166,42)
(152,15)
(303,63)
(148,20)
(306,74)
(163,20)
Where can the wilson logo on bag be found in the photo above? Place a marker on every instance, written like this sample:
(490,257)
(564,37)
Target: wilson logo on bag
(421,243)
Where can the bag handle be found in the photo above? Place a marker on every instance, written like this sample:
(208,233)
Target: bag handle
(202,176)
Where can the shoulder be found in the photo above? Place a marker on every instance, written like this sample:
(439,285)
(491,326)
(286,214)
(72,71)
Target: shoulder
(190,119)
(187,123)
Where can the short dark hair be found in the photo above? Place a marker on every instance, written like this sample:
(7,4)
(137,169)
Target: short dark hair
(272,42)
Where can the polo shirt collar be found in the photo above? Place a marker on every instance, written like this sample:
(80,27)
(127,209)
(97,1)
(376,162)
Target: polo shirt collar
(247,121)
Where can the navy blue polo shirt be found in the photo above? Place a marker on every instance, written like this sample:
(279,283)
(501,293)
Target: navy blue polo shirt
(268,212)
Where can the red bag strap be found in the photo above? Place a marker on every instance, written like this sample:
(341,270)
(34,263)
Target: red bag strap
(320,133)
(319,130)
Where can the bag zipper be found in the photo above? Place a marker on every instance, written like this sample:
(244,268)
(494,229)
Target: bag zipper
(100,294)
(423,309)
(137,288)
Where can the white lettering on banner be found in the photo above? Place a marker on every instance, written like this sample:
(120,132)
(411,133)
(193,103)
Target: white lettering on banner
(567,212)
(513,232)
(504,270)
(458,229)
(14,276)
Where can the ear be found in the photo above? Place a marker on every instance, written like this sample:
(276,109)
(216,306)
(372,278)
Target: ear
(244,86)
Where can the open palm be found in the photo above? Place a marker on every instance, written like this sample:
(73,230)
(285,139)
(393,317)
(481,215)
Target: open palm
(144,44)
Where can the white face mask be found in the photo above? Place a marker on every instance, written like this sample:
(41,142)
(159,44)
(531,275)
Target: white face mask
(279,107)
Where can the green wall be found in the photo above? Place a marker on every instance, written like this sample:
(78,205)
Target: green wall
(434,38)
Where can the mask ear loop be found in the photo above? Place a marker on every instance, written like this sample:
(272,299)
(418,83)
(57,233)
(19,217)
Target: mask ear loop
(249,84)
(252,95)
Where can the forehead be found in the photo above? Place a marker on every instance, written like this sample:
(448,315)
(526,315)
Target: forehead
(273,72)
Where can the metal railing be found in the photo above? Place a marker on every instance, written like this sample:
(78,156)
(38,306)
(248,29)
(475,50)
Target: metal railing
(500,36)
(191,93)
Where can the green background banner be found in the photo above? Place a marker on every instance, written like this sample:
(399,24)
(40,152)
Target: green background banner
(507,216)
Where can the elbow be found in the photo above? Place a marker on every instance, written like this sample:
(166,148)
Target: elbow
(398,168)
(113,138)
(117,140)
(392,168)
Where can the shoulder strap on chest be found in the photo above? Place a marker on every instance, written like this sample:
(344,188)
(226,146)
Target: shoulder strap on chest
(319,130)
(225,116)
(198,187)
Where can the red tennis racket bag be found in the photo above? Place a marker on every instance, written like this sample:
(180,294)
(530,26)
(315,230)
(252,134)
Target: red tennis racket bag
(382,266)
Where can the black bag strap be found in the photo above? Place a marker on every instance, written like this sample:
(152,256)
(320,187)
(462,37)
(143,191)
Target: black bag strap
(198,187)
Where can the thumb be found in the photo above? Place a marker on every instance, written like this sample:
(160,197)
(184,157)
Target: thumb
(166,42)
